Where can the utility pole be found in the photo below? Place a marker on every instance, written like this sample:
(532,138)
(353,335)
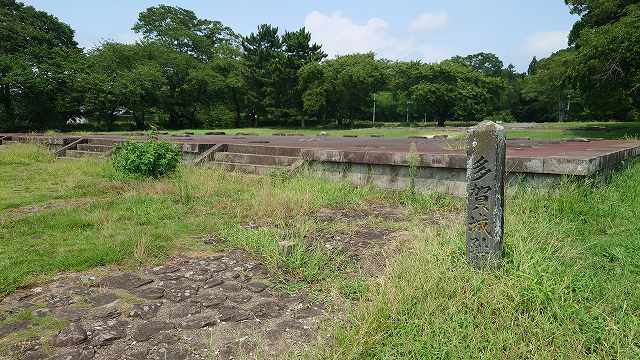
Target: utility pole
(408,102)
(374,109)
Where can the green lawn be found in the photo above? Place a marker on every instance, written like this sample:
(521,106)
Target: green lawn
(603,130)
(59,215)
(568,290)
(395,131)
(547,131)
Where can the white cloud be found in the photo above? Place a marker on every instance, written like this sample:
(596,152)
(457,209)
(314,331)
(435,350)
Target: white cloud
(429,21)
(340,35)
(543,44)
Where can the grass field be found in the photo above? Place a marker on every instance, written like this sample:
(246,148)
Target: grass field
(73,215)
(546,131)
(569,287)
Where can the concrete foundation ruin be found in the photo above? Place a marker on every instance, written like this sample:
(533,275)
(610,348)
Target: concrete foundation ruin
(431,164)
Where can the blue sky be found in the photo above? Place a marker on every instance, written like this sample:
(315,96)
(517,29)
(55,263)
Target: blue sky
(515,30)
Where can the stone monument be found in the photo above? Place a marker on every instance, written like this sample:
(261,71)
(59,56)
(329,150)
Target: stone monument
(486,148)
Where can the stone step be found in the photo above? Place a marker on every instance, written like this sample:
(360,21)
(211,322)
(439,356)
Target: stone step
(107,142)
(253,159)
(244,168)
(8,142)
(263,150)
(94,148)
(81,154)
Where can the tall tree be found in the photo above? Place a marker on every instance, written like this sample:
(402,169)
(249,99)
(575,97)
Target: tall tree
(39,60)
(263,58)
(183,31)
(607,68)
(299,51)
(550,91)
(455,91)
(200,60)
(531,70)
(596,13)
(487,63)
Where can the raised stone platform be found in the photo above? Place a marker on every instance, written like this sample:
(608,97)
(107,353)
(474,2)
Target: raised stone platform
(386,162)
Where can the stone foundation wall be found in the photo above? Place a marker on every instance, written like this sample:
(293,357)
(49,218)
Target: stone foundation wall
(428,179)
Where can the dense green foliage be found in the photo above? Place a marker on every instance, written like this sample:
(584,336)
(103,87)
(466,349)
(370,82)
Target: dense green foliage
(189,72)
(146,159)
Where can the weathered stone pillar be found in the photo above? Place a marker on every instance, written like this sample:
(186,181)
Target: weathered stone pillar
(486,149)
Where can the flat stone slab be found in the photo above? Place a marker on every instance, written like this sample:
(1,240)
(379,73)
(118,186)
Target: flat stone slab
(207,307)
(581,157)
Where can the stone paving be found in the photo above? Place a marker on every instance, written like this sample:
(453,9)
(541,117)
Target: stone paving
(220,306)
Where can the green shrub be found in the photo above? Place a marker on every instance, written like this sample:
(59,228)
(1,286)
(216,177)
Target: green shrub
(501,116)
(146,159)
(216,117)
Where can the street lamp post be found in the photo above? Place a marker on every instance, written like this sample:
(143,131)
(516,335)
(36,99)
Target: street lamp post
(374,109)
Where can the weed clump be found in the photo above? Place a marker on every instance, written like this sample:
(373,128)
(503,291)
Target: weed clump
(149,159)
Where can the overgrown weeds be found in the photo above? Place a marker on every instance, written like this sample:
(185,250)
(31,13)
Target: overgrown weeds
(568,288)
(133,221)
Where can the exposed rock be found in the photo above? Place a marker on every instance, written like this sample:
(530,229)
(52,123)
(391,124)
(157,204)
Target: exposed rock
(287,325)
(165,269)
(74,334)
(150,293)
(231,313)
(307,313)
(231,275)
(242,346)
(217,267)
(70,314)
(167,338)
(212,299)
(256,286)
(77,354)
(231,286)
(239,298)
(213,282)
(103,299)
(107,312)
(147,330)
(34,355)
(136,354)
(267,309)
(187,309)
(59,300)
(87,280)
(126,281)
(199,298)
(106,337)
(180,290)
(145,311)
(170,354)
(29,345)
(15,327)
(170,276)
(44,312)
(197,321)
(86,291)
(198,274)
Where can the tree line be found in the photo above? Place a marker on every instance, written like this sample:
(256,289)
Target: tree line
(188,72)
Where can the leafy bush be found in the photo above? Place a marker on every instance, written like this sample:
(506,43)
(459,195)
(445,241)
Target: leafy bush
(216,117)
(501,116)
(146,159)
